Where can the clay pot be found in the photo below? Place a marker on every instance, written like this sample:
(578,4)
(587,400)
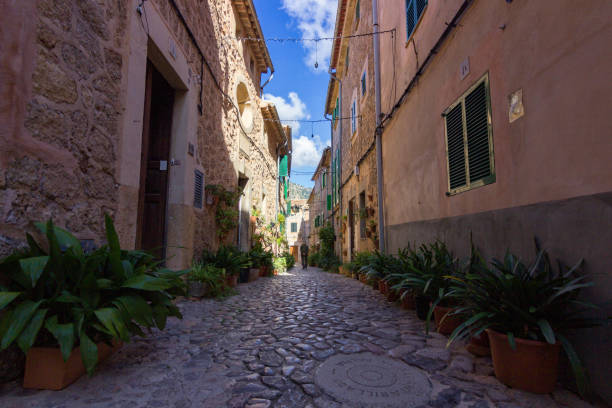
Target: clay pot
(479,345)
(253,219)
(422,304)
(382,287)
(275,272)
(263,271)
(341,270)
(363,278)
(253,274)
(408,302)
(231,281)
(532,367)
(46,369)
(197,289)
(392,294)
(447,324)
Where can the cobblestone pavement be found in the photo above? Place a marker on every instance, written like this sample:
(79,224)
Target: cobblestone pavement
(262,347)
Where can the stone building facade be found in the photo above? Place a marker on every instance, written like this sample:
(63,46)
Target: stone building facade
(533,157)
(319,202)
(298,226)
(131,108)
(355,203)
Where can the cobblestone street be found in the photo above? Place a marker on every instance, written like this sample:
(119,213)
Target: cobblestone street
(263,347)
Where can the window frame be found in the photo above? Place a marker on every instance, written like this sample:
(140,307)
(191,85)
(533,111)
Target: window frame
(293,227)
(417,20)
(353,117)
(364,82)
(491,178)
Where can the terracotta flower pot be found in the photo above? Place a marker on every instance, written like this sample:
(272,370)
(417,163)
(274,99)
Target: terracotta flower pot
(392,294)
(46,369)
(479,345)
(532,367)
(408,302)
(263,271)
(197,289)
(275,272)
(253,274)
(382,287)
(422,305)
(447,324)
(231,281)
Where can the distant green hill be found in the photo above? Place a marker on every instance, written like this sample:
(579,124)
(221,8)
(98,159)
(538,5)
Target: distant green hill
(297,191)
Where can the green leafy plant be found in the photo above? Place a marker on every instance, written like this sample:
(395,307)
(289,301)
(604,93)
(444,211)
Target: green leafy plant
(535,301)
(228,258)
(314,258)
(213,277)
(280,264)
(62,296)
(226,212)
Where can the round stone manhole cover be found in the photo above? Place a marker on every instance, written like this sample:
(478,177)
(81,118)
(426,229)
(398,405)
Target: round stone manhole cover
(367,380)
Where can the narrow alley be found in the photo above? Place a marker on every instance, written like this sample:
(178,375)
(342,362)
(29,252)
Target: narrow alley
(272,346)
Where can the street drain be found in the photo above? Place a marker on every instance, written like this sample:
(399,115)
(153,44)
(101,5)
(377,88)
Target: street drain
(366,380)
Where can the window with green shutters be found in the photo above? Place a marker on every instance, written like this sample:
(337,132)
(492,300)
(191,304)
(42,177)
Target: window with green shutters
(346,62)
(414,11)
(358,9)
(283,166)
(294,227)
(469,140)
(323,177)
(329,202)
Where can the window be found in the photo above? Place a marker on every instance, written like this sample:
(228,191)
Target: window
(469,141)
(346,62)
(198,189)
(294,227)
(414,11)
(362,211)
(323,177)
(358,9)
(336,111)
(353,117)
(363,83)
(329,202)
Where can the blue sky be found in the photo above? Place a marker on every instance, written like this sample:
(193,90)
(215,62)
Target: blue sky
(298,89)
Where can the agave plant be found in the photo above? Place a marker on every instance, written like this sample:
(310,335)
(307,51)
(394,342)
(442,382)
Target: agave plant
(227,257)
(536,302)
(379,266)
(62,296)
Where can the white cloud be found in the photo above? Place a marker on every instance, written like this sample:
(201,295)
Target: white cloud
(315,19)
(294,109)
(307,151)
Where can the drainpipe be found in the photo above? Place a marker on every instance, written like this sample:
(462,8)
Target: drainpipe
(379,175)
(266,83)
(338,178)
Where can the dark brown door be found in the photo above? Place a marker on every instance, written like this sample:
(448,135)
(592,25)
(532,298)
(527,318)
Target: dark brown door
(157,125)
(351,223)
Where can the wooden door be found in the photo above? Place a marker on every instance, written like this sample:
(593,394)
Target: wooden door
(351,226)
(157,126)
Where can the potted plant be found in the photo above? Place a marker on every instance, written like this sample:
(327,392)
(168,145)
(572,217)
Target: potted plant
(230,259)
(255,214)
(195,280)
(67,309)
(526,310)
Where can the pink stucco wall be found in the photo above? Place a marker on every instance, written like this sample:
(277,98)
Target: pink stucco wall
(559,56)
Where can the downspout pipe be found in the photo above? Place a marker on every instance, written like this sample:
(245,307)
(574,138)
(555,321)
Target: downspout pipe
(266,83)
(338,176)
(379,169)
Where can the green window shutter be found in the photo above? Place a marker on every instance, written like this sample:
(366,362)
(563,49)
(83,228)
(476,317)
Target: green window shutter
(294,227)
(286,188)
(323,179)
(469,141)
(477,128)
(358,9)
(455,145)
(329,202)
(346,63)
(414,10)
(289,207)
(283,167)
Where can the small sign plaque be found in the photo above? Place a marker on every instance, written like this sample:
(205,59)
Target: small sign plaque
(464,68)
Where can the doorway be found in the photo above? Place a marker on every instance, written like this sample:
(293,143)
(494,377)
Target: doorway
(351,225)
(153,192)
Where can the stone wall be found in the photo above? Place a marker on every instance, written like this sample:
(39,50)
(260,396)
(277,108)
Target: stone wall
(62,75)
(64,85)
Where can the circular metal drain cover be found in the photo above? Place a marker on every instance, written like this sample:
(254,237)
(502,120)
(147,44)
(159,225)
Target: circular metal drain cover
(367,380)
